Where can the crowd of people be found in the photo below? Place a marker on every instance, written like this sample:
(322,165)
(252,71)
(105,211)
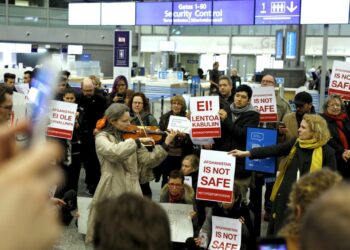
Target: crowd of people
(313,151)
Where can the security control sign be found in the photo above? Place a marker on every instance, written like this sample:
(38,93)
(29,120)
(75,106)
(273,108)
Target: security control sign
(277,12)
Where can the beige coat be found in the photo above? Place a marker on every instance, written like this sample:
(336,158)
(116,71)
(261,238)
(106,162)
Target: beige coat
(122,167)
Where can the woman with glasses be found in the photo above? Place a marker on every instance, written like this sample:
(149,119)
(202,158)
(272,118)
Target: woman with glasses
(118,92)
(339,127)
(181,146)
(140,116)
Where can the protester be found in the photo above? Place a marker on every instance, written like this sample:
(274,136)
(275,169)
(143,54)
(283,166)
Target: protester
(131,222)
(308,153)
(5,104)
(326,222)
(124,163)
(118,92)
(339,126)
(304,192)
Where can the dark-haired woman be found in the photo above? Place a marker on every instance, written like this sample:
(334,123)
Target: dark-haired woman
(118,92)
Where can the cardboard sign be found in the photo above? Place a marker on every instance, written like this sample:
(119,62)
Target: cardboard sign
(62,119)
(264,100)
(216,176)
(261,137)
(180,220)
(226,233)
(179,123)
(340,80)
(205,117)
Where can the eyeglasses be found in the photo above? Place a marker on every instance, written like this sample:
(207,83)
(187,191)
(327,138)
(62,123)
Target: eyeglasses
(334,106)
(9,108)
(121,84)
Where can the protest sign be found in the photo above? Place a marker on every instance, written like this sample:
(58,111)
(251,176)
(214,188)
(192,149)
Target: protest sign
(340,80)
(205,117)
(180,220)
(261,137)
(216,176)
(226,233)
(179,123)
(62,119)
(202,141)
(264,100)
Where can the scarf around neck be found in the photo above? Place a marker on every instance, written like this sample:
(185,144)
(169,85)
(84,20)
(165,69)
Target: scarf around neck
(339,119)
(237,112)
(316,161)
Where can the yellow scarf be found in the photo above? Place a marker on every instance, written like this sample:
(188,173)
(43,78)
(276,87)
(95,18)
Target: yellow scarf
(316,161)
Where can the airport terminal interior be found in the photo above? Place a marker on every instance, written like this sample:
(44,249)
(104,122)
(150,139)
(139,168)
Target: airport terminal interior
(166,49)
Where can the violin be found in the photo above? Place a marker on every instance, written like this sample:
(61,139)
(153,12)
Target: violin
(135,132)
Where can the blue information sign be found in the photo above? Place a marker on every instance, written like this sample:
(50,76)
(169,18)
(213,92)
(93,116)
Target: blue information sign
(121,48)
(261,137)
(192,13)
(154,13)
(279,45)
(237,12)
(291,45)
(277,12)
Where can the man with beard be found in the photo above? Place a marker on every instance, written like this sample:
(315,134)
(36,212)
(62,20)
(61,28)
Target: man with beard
(92,107)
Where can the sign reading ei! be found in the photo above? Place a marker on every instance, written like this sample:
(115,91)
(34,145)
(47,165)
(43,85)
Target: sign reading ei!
(205,117)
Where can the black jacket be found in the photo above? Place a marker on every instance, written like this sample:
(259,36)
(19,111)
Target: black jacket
(233,136)
(302,161)
(336,144)
(92,109)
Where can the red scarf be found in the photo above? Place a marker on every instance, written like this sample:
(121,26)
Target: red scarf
(339,119)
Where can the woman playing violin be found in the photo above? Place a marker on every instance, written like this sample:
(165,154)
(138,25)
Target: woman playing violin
(124,163)
(139,107)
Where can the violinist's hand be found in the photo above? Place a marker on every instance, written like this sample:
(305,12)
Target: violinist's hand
(170,137)
(147,141)
(239,153)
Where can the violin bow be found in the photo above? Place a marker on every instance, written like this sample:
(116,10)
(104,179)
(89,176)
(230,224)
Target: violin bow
(142,124)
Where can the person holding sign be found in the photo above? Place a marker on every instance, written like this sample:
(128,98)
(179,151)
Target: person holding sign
(234,210)
(123,162)
(339,127)
(182,144)
(308,153)
(6,103)
(234,124)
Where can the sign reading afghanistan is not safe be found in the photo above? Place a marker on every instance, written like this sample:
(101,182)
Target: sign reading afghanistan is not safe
(340,80)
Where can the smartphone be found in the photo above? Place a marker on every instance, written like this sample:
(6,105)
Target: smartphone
(281,124)
(40,95)
(272,244)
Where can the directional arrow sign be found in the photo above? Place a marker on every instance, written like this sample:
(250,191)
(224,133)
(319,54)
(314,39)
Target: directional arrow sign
(291,8)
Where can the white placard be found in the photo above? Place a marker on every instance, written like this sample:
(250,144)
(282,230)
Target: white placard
(22,88)
(226,233)
(264,100)
(62,119)
(202,141)
(179,123)
(188,180)
(205,117)
(216,176)
(83,210)
(340,80)
(180,220)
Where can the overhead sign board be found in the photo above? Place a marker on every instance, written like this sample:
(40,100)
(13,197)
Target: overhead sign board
(154,13)
(291,45)
(192,13)
(277,12)
(222,12)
